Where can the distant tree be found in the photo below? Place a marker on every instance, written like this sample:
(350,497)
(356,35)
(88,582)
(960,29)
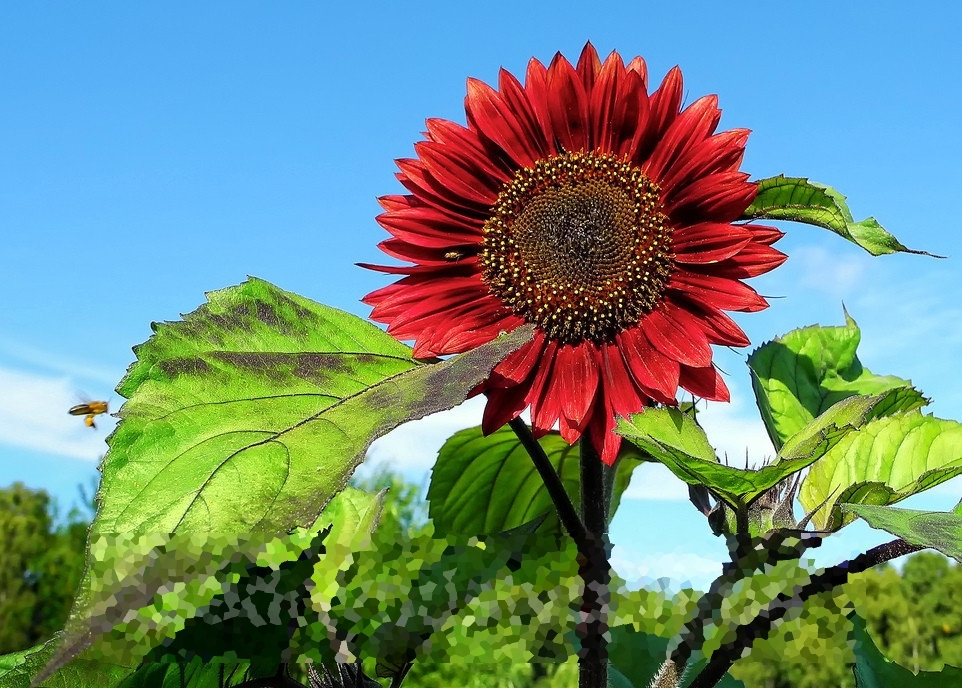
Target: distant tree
(404,511)
(40,565)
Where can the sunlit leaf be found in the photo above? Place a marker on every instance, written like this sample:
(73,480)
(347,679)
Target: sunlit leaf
(886,461)
(938,530)
(801,374)
(799,200)
(250,414)
(674,439)
(18,669)
(489,484)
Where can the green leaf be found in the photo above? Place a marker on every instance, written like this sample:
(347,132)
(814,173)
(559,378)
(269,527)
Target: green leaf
(675,440)
(483,485)
(616,679)
(639,656)
(799,200)
(142,590)
(801,374)
(270,391)
(886,461)
(938,530)
(874,670)
(193,674)
(18,669)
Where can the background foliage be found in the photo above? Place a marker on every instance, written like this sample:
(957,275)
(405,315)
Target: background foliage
(914,617)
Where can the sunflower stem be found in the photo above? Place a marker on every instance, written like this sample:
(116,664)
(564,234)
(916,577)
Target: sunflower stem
(567,513)
(595,570)
(759,627)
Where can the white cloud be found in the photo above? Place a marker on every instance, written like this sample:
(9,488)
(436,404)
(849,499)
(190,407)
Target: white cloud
(682,569)
(654,481)
(73,368)
(735,428)
(830,272)
(33,415)
(415,445)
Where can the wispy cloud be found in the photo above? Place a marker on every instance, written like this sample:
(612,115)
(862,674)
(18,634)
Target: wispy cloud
(415,445)
(33,415)
(682,569)
(47,361)
(828,272)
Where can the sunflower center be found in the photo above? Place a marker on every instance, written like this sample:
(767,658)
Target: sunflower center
(578,245)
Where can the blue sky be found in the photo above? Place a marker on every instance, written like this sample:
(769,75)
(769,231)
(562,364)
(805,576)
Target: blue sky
(150,153)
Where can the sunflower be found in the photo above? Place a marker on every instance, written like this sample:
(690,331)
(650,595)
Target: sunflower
(599,213)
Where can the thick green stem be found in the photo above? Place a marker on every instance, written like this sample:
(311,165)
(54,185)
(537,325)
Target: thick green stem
(595,571)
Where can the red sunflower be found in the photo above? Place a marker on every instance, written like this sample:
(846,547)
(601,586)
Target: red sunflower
(599,213)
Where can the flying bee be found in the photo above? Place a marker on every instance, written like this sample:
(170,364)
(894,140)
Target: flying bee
(89,409)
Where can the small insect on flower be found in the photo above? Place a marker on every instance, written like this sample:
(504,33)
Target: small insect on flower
(453,256)
(89,409)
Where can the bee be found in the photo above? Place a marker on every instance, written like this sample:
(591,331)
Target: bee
(89,409)
(453,256)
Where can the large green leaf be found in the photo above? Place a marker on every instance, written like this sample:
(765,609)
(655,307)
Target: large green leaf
(18,669)
(938,530)
(874,670)
(638,656)
(143,590)
(801,374)
(489,484)
(886,461)
(674,439)
(799,200)
(251,413)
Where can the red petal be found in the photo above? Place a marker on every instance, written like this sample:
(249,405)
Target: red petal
(653,371)
(763,234)
(617,107)
(719,197)
(677,335)
(514,369)
(545,408)
(588,66)
(684,138)
(638,66)
(705,383)
(488,113)
(575,381)
(708,242)
(618,385)
(415,179)
(536,87)
(665,103)
(430,228)
(463,176)
(567,105)
(719,328)
(719,292)
(753,260)
(503,405)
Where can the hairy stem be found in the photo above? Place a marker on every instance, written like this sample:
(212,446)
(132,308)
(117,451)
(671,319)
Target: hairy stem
(552,481)
(747,557)
(764,622)
(595,571)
